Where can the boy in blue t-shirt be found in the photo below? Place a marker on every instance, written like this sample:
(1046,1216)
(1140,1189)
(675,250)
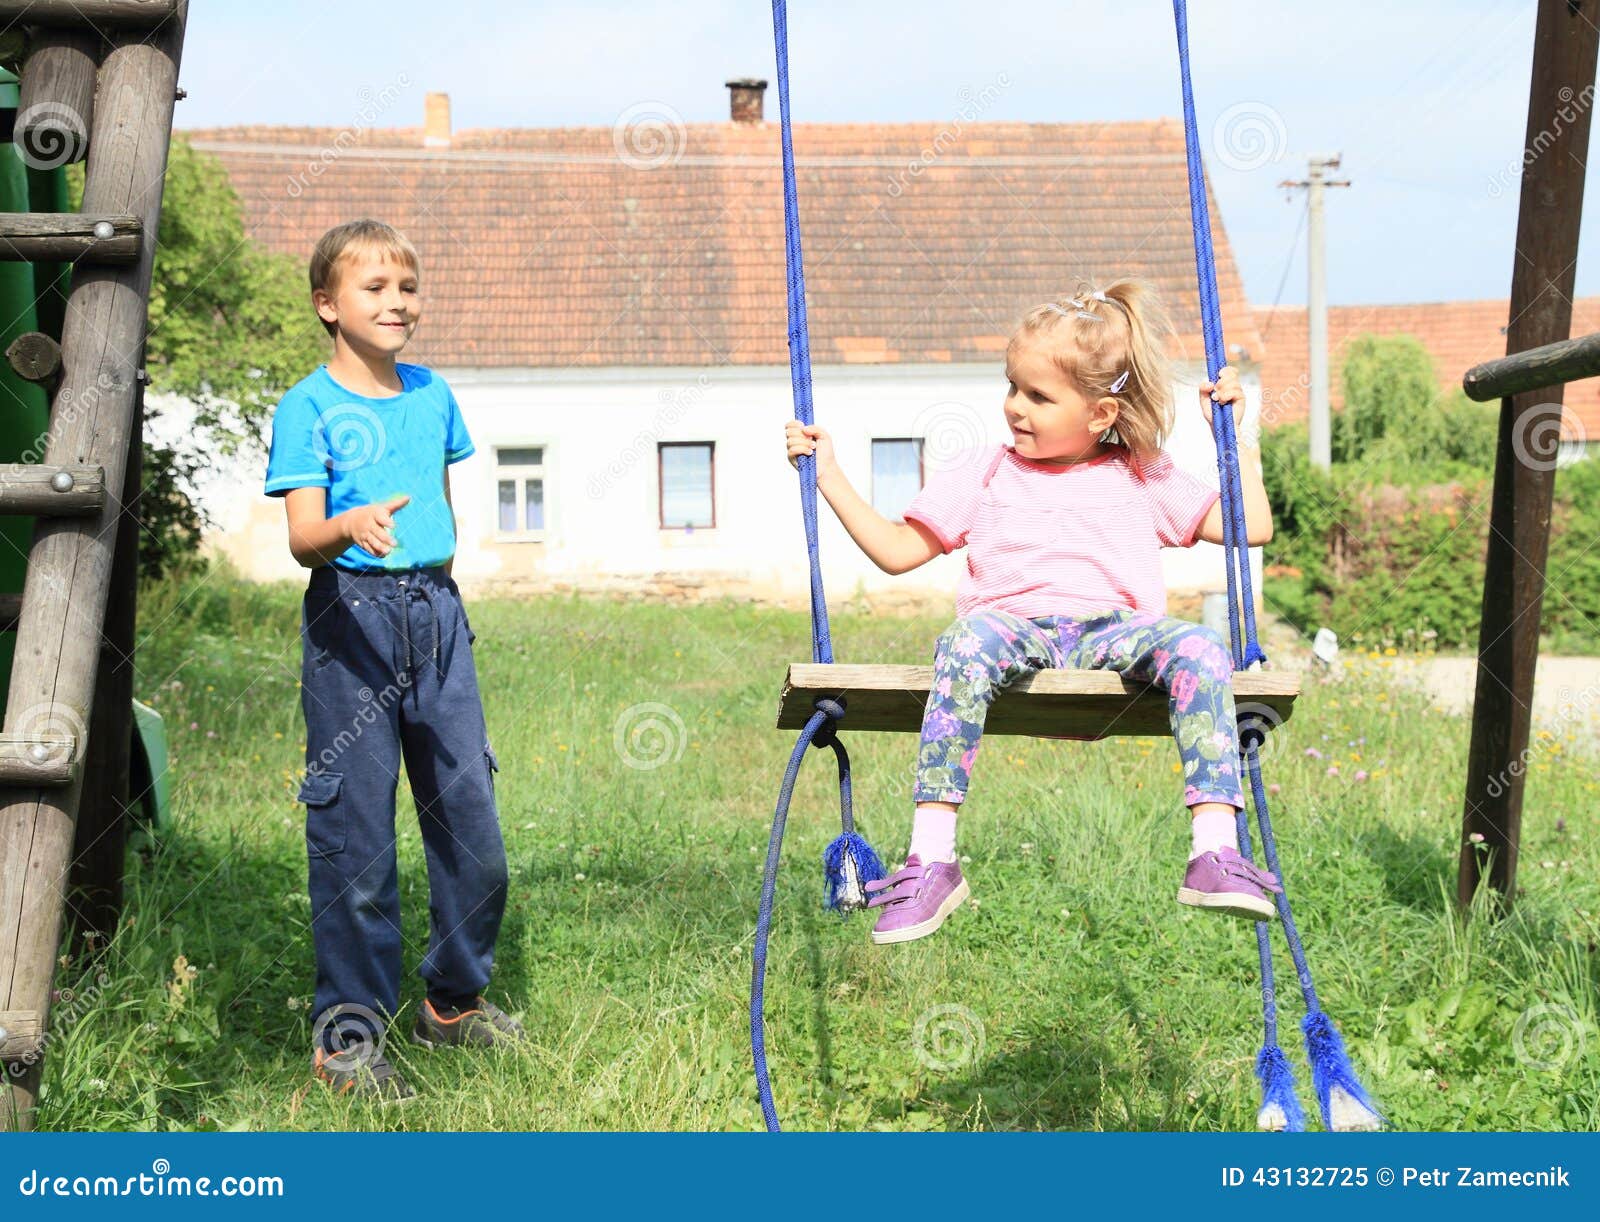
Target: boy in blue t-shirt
(359,454)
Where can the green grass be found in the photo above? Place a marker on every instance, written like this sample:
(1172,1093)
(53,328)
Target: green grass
(1073,994)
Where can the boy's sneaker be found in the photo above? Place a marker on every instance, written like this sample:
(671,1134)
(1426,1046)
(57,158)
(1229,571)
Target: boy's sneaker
(484,1025)
(916,900)
(361,1073)
(1223,881)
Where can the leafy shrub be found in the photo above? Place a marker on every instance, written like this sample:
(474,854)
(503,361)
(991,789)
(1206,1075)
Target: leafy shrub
(1389,544)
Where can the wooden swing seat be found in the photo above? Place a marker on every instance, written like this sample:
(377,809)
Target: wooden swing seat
(1076,704)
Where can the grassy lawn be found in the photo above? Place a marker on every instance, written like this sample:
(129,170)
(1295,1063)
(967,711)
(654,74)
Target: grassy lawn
(1074,993)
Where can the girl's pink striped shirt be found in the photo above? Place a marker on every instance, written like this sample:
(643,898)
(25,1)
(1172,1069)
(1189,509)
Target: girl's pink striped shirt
(1061,540)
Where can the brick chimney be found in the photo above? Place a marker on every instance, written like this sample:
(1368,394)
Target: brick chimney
(744,98)
(436,121)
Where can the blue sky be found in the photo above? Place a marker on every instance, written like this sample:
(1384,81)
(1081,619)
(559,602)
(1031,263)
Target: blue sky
(1425,99)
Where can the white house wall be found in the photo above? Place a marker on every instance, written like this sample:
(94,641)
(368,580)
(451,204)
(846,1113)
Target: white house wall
(599,430)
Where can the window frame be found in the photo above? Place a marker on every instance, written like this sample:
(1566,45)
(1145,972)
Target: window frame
(921,443)
(518,474)
(661,484)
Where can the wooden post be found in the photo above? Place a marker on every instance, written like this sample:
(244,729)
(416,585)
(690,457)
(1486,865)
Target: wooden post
(70,561)
(1569,360)
(100,847)
(99,14)
(1559,102)
(55,106)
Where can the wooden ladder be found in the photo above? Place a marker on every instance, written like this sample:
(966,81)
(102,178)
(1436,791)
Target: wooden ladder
(102,73)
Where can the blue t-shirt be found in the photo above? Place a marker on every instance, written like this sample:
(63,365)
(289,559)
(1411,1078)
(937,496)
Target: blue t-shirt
(364,450)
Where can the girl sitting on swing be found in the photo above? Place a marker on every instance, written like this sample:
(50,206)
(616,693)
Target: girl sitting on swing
(1063,530)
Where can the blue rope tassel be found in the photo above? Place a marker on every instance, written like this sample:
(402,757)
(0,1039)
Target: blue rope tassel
(1280,1106)
(1330,1064)
(849,862)
(1331,1068)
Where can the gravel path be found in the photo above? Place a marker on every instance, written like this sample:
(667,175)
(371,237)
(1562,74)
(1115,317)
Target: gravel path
(1566,691)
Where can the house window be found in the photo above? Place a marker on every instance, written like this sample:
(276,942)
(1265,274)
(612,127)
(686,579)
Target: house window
(896,474)
(688,484)
(519,485)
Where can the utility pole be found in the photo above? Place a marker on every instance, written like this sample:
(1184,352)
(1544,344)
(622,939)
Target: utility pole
(1317,302)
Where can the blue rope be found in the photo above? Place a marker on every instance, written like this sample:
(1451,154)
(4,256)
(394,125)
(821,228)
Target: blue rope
(799,340)
(849,861)
(849,856)
(812,735)
(1330,1065)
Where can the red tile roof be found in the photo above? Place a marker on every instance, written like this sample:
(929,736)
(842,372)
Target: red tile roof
(545,247)
(1457,334)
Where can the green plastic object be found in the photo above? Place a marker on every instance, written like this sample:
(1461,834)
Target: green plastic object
(147,770)
(24,411)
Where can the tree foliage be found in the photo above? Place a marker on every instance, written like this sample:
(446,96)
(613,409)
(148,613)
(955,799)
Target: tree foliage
(231,329)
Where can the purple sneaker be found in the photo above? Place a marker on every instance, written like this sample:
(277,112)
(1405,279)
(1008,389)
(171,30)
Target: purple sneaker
(1223,881)
(916,901)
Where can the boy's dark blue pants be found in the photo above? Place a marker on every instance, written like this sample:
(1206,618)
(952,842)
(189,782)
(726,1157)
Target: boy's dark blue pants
(388,674)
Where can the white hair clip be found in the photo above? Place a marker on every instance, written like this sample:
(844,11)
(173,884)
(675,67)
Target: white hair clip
(1122,380)
(1077,303)
(1083,311)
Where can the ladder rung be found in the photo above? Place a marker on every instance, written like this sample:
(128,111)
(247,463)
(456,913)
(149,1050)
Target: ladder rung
(69,237)
(52,492)
(37,759)
(88,14)
(21,1033)
(35,356)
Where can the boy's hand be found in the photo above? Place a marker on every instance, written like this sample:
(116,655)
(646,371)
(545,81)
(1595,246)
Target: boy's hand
(809,439)
(1225,389)
(370,525)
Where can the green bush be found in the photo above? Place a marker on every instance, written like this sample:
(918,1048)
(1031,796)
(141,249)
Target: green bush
(1571,609)
(1389,544)
(1388,381)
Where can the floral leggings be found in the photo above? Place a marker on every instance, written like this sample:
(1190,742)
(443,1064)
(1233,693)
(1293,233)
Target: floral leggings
(980,654)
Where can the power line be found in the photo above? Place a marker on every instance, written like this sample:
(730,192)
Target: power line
(1288,262)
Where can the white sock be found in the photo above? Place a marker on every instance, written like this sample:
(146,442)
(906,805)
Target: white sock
(1213,830)
(933,835)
